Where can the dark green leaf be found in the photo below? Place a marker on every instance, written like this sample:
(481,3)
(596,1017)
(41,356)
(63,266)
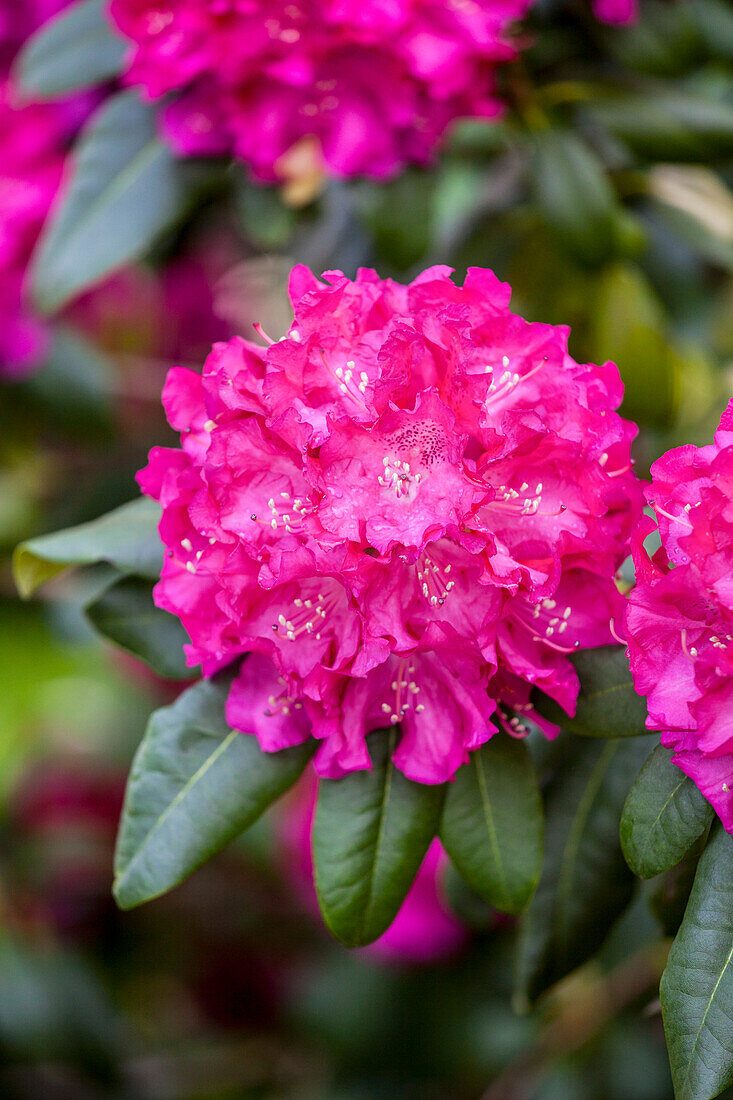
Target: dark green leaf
(675,126)
(574,194)
(663,816)
(585,883)
(697,985)
(125,613)
(371,831)
(629,326)
(670,893)
(608,706)
(492,823)
(126,188)
(126,538)
(194,786)
(77,49)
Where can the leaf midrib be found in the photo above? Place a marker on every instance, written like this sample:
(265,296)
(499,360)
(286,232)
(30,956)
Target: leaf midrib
(491,826)
(573,842)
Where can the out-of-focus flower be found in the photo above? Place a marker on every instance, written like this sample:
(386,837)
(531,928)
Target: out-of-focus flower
(424,931)
(33,140)
(679,618)
(411,509)
(616,11)
(371,85)
(19,19)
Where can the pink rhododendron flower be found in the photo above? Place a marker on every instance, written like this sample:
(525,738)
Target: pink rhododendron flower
(374,83)
(424,930)
(680,615)
(33,140)
(616,11)
(410,510)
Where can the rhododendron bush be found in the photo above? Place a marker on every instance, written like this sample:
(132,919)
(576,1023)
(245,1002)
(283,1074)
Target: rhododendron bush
(369,365)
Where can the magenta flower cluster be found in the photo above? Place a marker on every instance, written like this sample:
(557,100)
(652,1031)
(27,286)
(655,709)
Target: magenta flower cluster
(375,82)
(680,615)
(410,510)
(33,140)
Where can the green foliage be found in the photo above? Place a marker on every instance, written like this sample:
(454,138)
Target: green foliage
(194,786)
(608,706)
(127,538)
(76,50)
(370,834)
(663,816)
(574,193)
(492,825)
(125,613)
(126,189)
(697,985)
(585,883)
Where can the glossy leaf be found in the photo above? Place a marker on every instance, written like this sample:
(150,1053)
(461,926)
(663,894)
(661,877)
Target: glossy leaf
(585,883)
(126,538)
(194,786)
(492,823)
(608,706)
(75,50)
(697,985)
(371,831)
(574,194)
(125,613)
(663,816)
(125,189)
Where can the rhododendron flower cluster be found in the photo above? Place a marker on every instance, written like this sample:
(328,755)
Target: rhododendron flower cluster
(680,615)
(410,510)
(369,85)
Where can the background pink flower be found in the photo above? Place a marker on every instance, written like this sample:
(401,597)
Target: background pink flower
(376,84)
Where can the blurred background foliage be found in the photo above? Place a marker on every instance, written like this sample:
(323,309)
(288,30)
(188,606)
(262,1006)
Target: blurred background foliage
(605,197)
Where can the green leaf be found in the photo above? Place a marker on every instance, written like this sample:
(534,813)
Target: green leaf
(670,893)
(370,834)
(630,327)
(697,985)
(574,194)
(608,706)
(663,816)
(75,50)
(74,386)
(125,189)
(671,126)
(126,538)
(492,823)
(194,786)
(125,613)
(585,883)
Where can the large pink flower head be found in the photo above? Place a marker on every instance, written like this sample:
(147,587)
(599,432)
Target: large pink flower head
(410,510)
(680,615)
(373,84)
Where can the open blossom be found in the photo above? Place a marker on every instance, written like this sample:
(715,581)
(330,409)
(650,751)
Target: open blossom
(409,510)
(680,615)
(363,87)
